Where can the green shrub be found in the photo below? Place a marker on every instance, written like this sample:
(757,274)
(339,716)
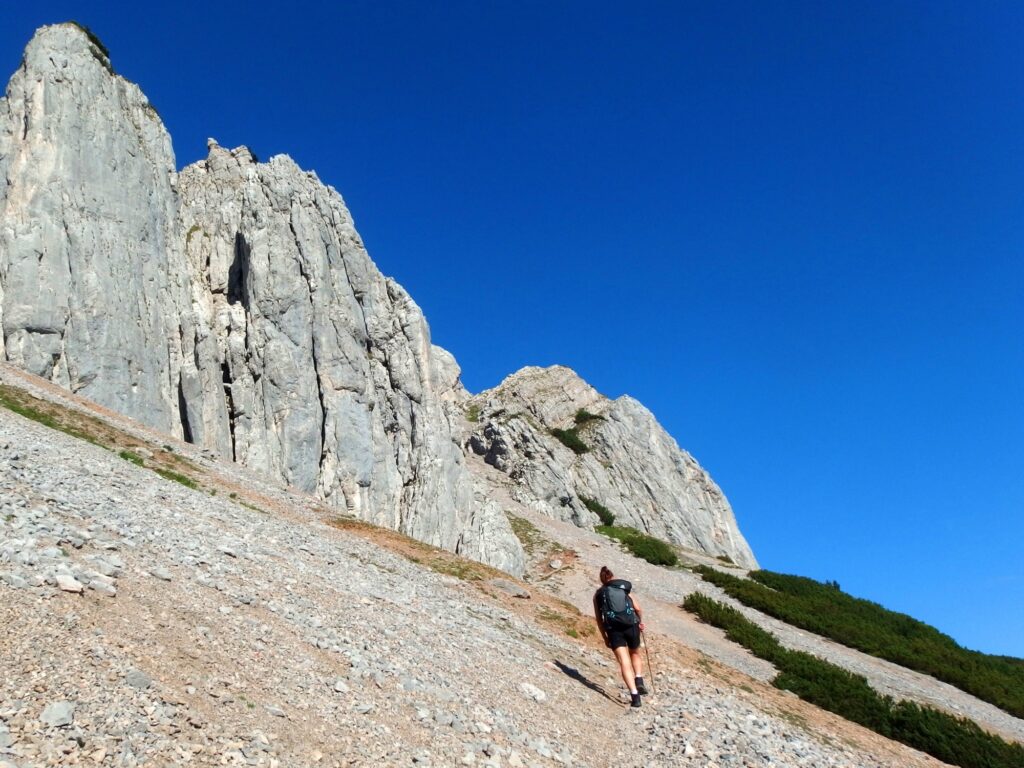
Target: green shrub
(954,740)
(473,413)
(583,416)
(825,610)
(571,440)
(649,548)
(606,516)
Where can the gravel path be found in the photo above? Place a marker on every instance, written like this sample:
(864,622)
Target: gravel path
(148,624)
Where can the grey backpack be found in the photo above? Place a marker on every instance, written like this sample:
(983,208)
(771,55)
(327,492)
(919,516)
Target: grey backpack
(616,605)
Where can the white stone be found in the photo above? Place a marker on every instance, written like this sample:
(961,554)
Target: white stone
(69,583)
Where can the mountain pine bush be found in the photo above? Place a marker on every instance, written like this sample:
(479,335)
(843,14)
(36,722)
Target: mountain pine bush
(826,610)
(954,740)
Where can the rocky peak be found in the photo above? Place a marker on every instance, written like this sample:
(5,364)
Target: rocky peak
(235,305)
(91,280)
(551,395)
(563,446)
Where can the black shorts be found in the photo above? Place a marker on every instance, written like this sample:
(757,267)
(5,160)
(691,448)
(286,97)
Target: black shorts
(619,637)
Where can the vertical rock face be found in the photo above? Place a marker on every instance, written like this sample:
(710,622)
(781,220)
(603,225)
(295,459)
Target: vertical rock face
(630,464)
(90,280)
(234,306)
(305,362)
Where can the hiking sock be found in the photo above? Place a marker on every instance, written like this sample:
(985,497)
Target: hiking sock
(640,687)
(634,700)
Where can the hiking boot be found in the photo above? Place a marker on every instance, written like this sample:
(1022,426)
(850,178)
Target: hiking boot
(634,700)
(640,687)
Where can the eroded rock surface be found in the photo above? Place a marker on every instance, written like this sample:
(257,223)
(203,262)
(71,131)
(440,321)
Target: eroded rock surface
(631,465)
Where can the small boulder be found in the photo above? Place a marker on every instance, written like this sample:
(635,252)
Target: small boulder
(58,714)
(510,587)
(69,583)
(533,692)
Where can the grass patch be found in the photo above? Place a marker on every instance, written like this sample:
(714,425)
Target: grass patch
(473,413)
(951,739)
(191,232)
(92,430)
(571,440)
(529,536)
(823,608)
(48,415)
(134,458)
(564,617)
(434,558)
(604,514)
(641,545)
(170,474)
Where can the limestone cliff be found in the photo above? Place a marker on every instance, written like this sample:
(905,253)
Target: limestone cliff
(627,461)
(91,276)
(233,304)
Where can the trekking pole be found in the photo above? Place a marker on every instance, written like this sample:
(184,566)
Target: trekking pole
(643,636)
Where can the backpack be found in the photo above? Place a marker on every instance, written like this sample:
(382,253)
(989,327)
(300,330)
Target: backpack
(616,605)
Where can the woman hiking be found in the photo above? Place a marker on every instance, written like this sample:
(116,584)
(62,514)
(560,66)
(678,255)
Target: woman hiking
(620,619)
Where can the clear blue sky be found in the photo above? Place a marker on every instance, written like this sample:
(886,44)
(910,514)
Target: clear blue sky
(794,231)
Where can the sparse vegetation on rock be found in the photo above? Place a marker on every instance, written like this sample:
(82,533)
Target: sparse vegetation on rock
(603,513)
(642,545)
(583,416)
(570,439)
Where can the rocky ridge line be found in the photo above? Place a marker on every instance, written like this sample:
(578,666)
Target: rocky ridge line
(631,466)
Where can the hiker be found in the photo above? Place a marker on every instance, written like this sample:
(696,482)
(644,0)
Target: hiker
(620,620)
